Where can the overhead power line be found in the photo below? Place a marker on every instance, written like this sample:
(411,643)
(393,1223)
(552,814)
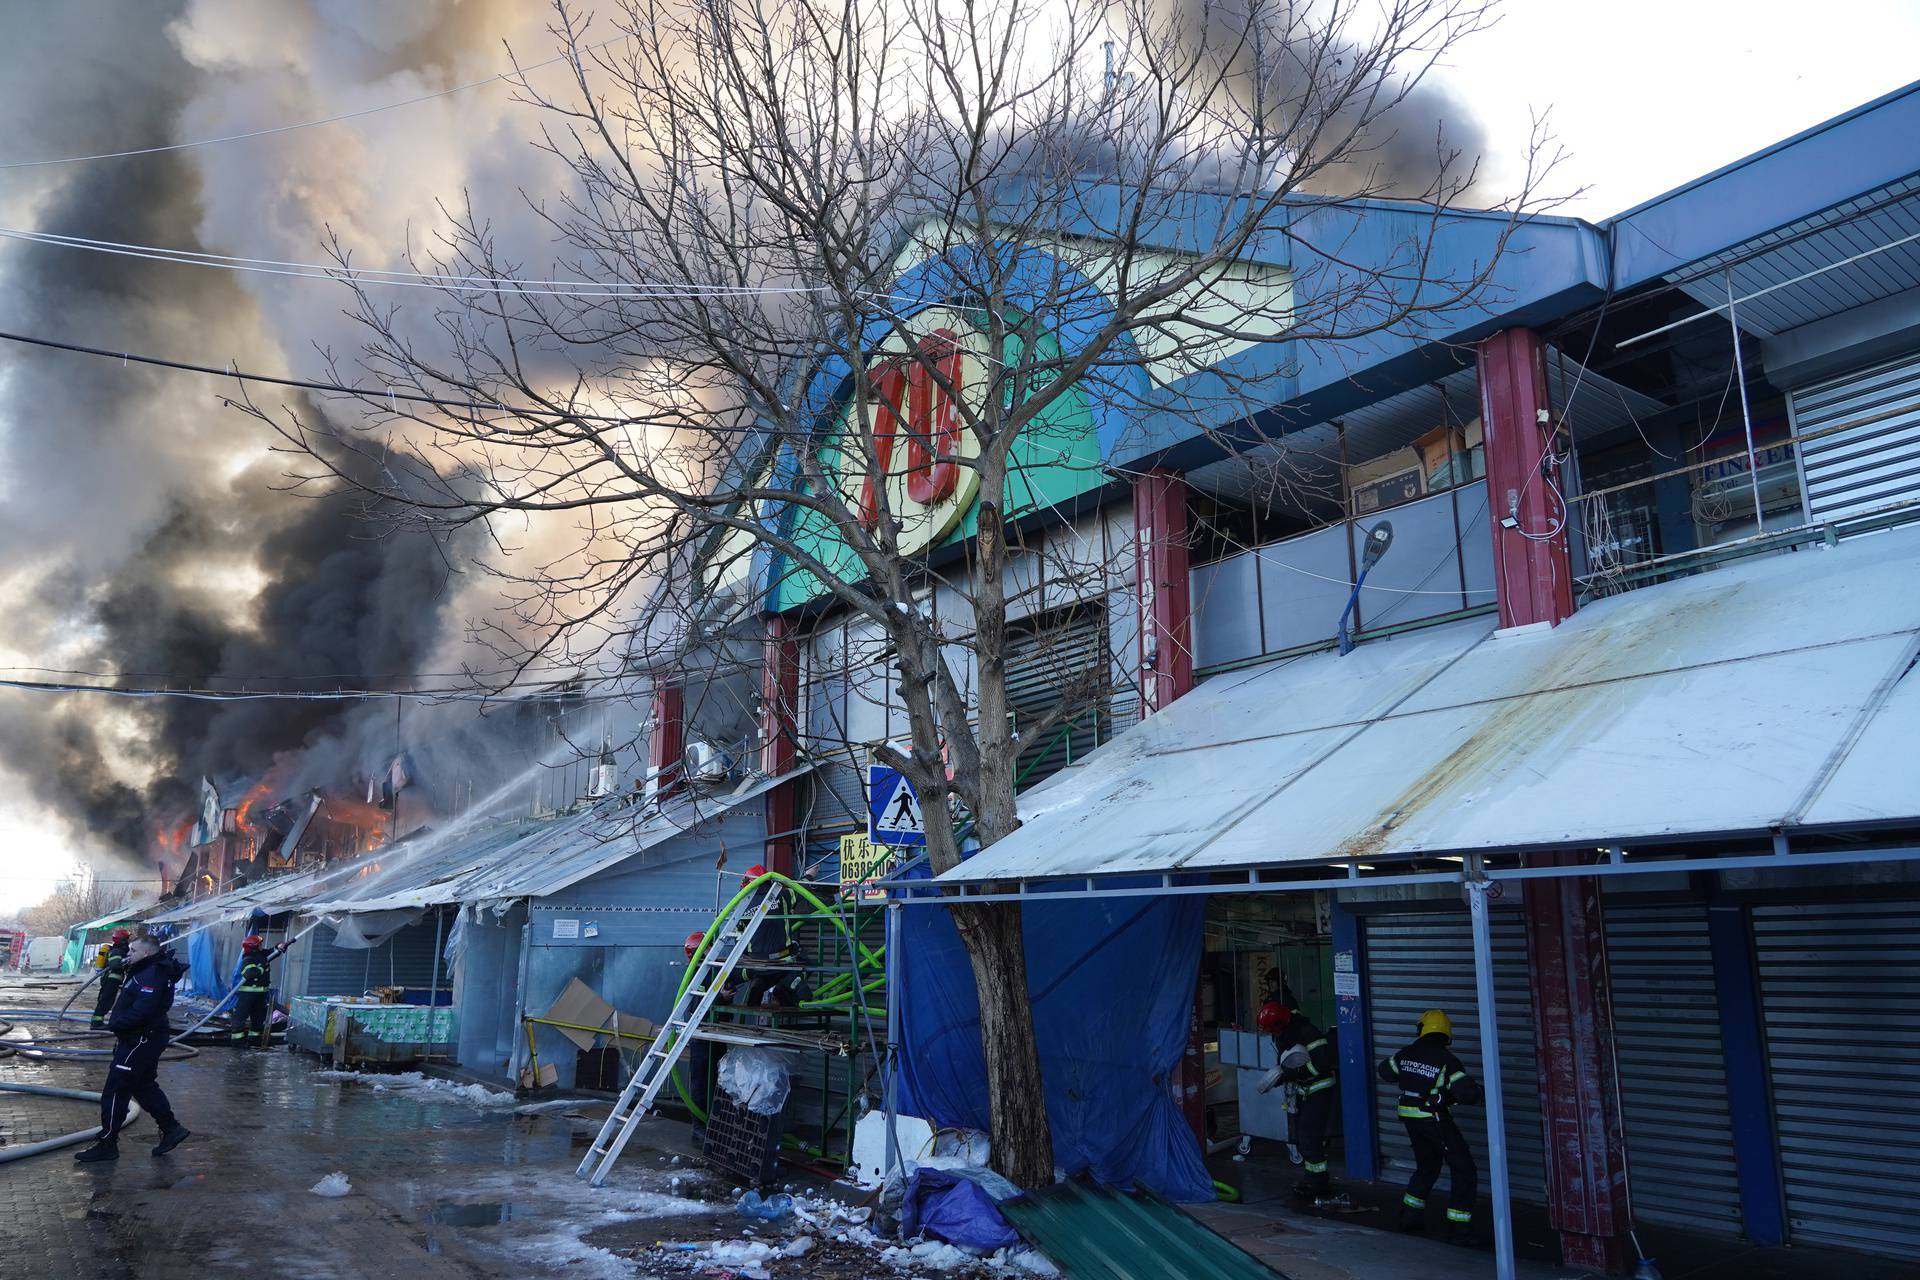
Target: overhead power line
(439,281)
(312,695)
(304,384)
(506,76)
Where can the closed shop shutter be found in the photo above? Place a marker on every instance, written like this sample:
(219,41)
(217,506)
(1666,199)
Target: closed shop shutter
(1673,1090)
(1064,656)
(1872,464)
(1425,961)
(1840,990)
(404,959)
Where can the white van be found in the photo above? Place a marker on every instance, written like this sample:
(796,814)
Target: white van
(44,954)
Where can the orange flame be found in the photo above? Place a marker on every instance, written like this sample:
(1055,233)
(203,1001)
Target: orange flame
(242,818)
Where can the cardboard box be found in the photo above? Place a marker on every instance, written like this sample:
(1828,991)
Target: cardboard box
(582,1006)
(549,1077)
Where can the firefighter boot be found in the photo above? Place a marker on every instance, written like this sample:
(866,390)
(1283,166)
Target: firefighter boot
(1460,1228)
(101,1151)
(1413,1217)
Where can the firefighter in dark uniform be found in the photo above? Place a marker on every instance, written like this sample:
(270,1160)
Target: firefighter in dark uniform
(113,964)
(250,1006)
(139,1024)
(1432,1081)
(1307,1061)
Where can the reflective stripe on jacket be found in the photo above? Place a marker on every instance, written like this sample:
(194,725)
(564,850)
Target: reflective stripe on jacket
(1431,1079)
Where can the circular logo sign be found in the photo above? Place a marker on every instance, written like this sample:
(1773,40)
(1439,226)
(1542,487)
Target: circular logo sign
(916,385)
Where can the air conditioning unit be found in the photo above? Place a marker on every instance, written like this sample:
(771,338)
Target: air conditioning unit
(707,764)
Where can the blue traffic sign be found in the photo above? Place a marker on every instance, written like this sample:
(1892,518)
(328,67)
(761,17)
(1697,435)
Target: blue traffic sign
(893,810)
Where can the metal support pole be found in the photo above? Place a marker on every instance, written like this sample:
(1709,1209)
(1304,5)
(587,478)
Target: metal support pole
(1746,414)
(433,991)
(1477,890)
(893,1036)
(520,1002)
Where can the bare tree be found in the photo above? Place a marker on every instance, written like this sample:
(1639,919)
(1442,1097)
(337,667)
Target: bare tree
(1096,198)
(73,902)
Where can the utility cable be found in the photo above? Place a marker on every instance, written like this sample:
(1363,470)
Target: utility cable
(295,695)
(369,393)
(303,384)
(609,290)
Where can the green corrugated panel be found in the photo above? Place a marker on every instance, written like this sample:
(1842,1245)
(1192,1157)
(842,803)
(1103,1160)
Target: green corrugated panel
(1093,1233)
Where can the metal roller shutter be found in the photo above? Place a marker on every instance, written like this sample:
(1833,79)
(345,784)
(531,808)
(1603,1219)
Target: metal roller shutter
(404,959)
(1044,661)
(1856,469)
(1420,962)
(1840,986)
(1673,1084)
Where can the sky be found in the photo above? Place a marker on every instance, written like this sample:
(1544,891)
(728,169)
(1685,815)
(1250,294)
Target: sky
(1645,95)
(1642,95)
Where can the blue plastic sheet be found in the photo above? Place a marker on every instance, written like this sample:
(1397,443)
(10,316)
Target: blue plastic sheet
(1112,985)
(203,966)
(948,1205)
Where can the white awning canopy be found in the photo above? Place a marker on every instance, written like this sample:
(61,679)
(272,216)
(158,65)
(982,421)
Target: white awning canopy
(1771,695)
(524,861)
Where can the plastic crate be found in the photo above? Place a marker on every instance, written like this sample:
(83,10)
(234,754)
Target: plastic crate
(742,1143)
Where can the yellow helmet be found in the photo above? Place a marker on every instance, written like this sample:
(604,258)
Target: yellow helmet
(1436,1020)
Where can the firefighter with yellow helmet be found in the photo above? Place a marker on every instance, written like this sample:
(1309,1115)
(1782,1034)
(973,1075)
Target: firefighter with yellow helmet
(1432,1081)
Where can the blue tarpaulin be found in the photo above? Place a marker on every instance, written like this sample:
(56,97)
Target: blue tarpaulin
(1112,986)
(947,1204)
(203,967)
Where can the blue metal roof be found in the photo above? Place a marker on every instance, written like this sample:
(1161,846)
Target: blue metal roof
(1861,150)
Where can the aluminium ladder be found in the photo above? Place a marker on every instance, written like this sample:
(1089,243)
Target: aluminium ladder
(735,934)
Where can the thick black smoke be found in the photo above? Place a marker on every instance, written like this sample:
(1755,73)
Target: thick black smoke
(145,528)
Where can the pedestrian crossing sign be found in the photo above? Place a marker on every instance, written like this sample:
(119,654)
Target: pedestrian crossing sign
(893,810)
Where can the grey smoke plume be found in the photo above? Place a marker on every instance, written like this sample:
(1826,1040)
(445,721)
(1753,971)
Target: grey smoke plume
(144,529)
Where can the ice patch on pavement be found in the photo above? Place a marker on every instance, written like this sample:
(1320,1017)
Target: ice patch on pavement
(430,1088)
(568,1214)
(565,1249)
(334,1184)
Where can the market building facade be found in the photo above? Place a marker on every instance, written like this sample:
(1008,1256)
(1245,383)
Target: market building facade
(1616,750)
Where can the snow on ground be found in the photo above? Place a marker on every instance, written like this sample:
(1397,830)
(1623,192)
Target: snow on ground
(827,1238)
(423,1088)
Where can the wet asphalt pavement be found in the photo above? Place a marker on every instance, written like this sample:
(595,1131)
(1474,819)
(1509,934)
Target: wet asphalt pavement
(443,1185)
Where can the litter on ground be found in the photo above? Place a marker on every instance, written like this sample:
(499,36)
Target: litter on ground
(334,1184)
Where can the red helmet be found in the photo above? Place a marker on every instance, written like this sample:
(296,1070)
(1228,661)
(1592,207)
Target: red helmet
(693,943)
(252,942)
(754,872)
(120,935)
(1273,1016)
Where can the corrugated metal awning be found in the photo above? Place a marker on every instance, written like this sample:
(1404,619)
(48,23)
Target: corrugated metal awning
(235,904)
(1763,696)
(523,862)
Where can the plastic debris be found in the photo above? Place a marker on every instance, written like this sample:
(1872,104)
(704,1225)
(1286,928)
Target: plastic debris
(755,1078)
(775,1208)
(334,1184)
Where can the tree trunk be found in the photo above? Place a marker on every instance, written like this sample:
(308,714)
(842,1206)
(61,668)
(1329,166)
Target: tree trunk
(1022,1141)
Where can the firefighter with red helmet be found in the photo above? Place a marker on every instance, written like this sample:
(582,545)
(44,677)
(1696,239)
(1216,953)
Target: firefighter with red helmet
(112,963)
(250,1004)
(1307,1058)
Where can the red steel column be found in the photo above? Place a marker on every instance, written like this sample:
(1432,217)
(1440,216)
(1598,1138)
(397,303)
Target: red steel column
(779,742)
(1531,567)
(1579,1095)
(1166,672)
(1160,581)
(667,743)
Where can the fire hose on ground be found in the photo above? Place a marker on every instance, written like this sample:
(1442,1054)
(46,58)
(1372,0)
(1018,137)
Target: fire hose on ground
(74,1139)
